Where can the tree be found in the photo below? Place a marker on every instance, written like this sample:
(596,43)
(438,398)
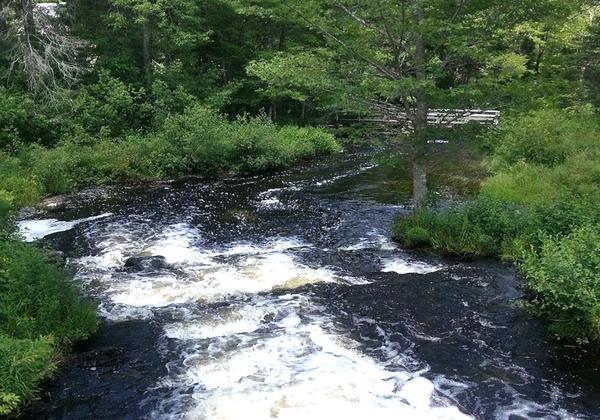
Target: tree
(36,39)
(414,55)
(304,76)
(590,61)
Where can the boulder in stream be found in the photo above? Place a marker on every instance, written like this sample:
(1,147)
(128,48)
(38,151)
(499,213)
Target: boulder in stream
(56,202)
(145,263)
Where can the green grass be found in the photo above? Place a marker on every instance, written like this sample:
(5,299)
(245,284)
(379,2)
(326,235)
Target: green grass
(41,315)
(540,209)
(199,141)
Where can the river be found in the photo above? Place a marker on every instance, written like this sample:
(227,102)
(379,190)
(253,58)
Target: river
(281,296)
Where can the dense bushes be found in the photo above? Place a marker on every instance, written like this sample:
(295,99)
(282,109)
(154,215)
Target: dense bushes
(546,137)
(539,208)
(41,312)
(198,141)
(23,365)
(564,275)
(483,227)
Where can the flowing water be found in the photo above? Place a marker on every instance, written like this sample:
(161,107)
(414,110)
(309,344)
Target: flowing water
(282,297)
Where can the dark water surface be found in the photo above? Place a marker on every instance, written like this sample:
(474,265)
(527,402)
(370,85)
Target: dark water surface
(282,297)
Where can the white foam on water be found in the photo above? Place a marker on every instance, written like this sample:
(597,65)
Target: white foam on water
(521,408)
(258,355)
(120,313)
(372,241)
(402,265)
(270,203)
(332,180)
(155,291)
(273,245)
(300,370)
(178,244)
(225,322)
(32,230)
(198,274)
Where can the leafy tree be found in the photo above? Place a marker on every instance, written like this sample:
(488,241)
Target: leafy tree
(304,76)
(413,55)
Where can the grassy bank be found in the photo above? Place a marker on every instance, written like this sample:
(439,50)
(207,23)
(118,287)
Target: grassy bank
(539,208)
(198,141)
(41,315)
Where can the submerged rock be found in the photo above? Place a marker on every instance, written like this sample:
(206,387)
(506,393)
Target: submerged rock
(145,263)
(105,357)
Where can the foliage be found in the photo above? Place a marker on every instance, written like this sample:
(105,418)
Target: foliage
(178,87)
(41,313)
(483,227)
(24,363)
(198,141)
(546,137)
(539,208)
(564,275)
(37,298)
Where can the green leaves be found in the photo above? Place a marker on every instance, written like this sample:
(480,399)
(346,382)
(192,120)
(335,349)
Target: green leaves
(298,75)
(565,279)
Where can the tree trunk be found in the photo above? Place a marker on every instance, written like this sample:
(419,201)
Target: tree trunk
(72,11)
(282,34)
(303,110)
(538,58)
(3,24)
(273,109)
(146,41)
(419,165)
(27,16)
(420,115)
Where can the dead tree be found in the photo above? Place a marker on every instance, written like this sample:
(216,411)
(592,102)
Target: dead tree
(40,44)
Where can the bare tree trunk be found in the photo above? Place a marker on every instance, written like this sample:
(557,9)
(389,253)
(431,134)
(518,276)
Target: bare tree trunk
(419,169)
(420,116)
(72,11)
(303,110)
(273,109)
(44,48)
(282,34)
(147,39)
(3,24)
(27,15)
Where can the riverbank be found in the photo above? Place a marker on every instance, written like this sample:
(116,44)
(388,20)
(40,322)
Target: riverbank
(42,314)
(198,141)
(539,208)
(41,309)
(303,294)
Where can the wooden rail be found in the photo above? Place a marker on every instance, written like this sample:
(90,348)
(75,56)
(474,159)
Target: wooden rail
(441,117)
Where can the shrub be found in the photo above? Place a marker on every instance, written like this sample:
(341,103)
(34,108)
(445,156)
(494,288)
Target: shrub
(41,313)
(541,209)
(198,141)
(450,232)
(564,276)
(38,299)
(17,182)
(416,237)
(20,122)
(24,363)
(545,137)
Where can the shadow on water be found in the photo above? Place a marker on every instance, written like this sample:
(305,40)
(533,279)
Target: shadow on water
(295,270)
